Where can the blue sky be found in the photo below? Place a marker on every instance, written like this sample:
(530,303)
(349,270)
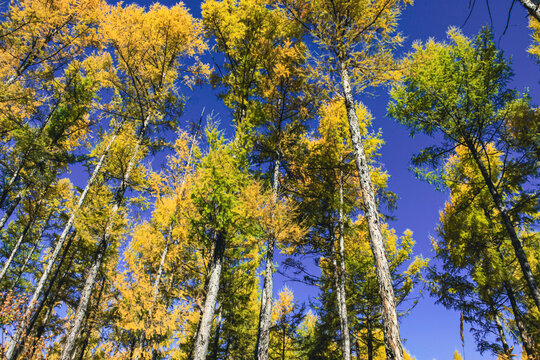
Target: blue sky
(431,331)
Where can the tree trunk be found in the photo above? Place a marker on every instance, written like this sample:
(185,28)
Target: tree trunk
(267,297)
(11,353)
(10,209)
(340,288)
(507,223)
(392,340)
(284,342)
(88,324)
(532,7)
(369,334)
(522,330)
(92,275)
(500,329)
(7,188)
(205,324)
(7,263)
(30,317)
(31,252)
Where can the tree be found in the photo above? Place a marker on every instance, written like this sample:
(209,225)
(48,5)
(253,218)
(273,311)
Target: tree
(223,220)
(458,91)
(266,87)
(357,38)
(477,277)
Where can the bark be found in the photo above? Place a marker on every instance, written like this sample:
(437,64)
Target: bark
(265,315)
(88,324)
(340,288)
(500,329)
(99,255)
(10,209)
(369,339)
(205,325)
(532,7)
(392,340)
(507,223)
(11,353)
(7,188)
(284,341)
(522,330)
(15,249)
(215,350)
(31,252)
(30,317)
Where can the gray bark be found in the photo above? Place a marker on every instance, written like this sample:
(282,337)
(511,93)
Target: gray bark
(341,294)
(205,325)
(267,297)
(392,340)
(502,336)
(92,275)
(34,247)
(11,353)
(7,188)
(522,330)
(15,249)
(507,223)
(533,7)
(10,209)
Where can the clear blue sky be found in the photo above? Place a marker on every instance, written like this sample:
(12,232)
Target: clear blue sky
(431,331)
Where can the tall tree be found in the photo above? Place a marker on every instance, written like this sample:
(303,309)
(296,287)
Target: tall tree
(357,38)
(477,277)
(458,91)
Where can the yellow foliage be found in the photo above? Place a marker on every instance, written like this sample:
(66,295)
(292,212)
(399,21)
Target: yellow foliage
(534,25)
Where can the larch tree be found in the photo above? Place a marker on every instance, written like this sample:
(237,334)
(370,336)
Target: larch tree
(149,47)
(458,91)
(223,197)
(266,87)
(357,39)
(477,277)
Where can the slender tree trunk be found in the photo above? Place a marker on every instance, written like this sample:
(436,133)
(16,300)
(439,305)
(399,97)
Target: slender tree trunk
(203,335)
(11,353)
(10,209)
(284,342)
(7,188)
(92,275)
(267,298)
(341,293)
(369,334)
(30,317)
(34,247)
(522,330)
(502,336)
(7,263)
(507,223)
(88,323)
(392,340)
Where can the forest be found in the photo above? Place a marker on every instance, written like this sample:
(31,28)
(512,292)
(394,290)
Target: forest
(134,228)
